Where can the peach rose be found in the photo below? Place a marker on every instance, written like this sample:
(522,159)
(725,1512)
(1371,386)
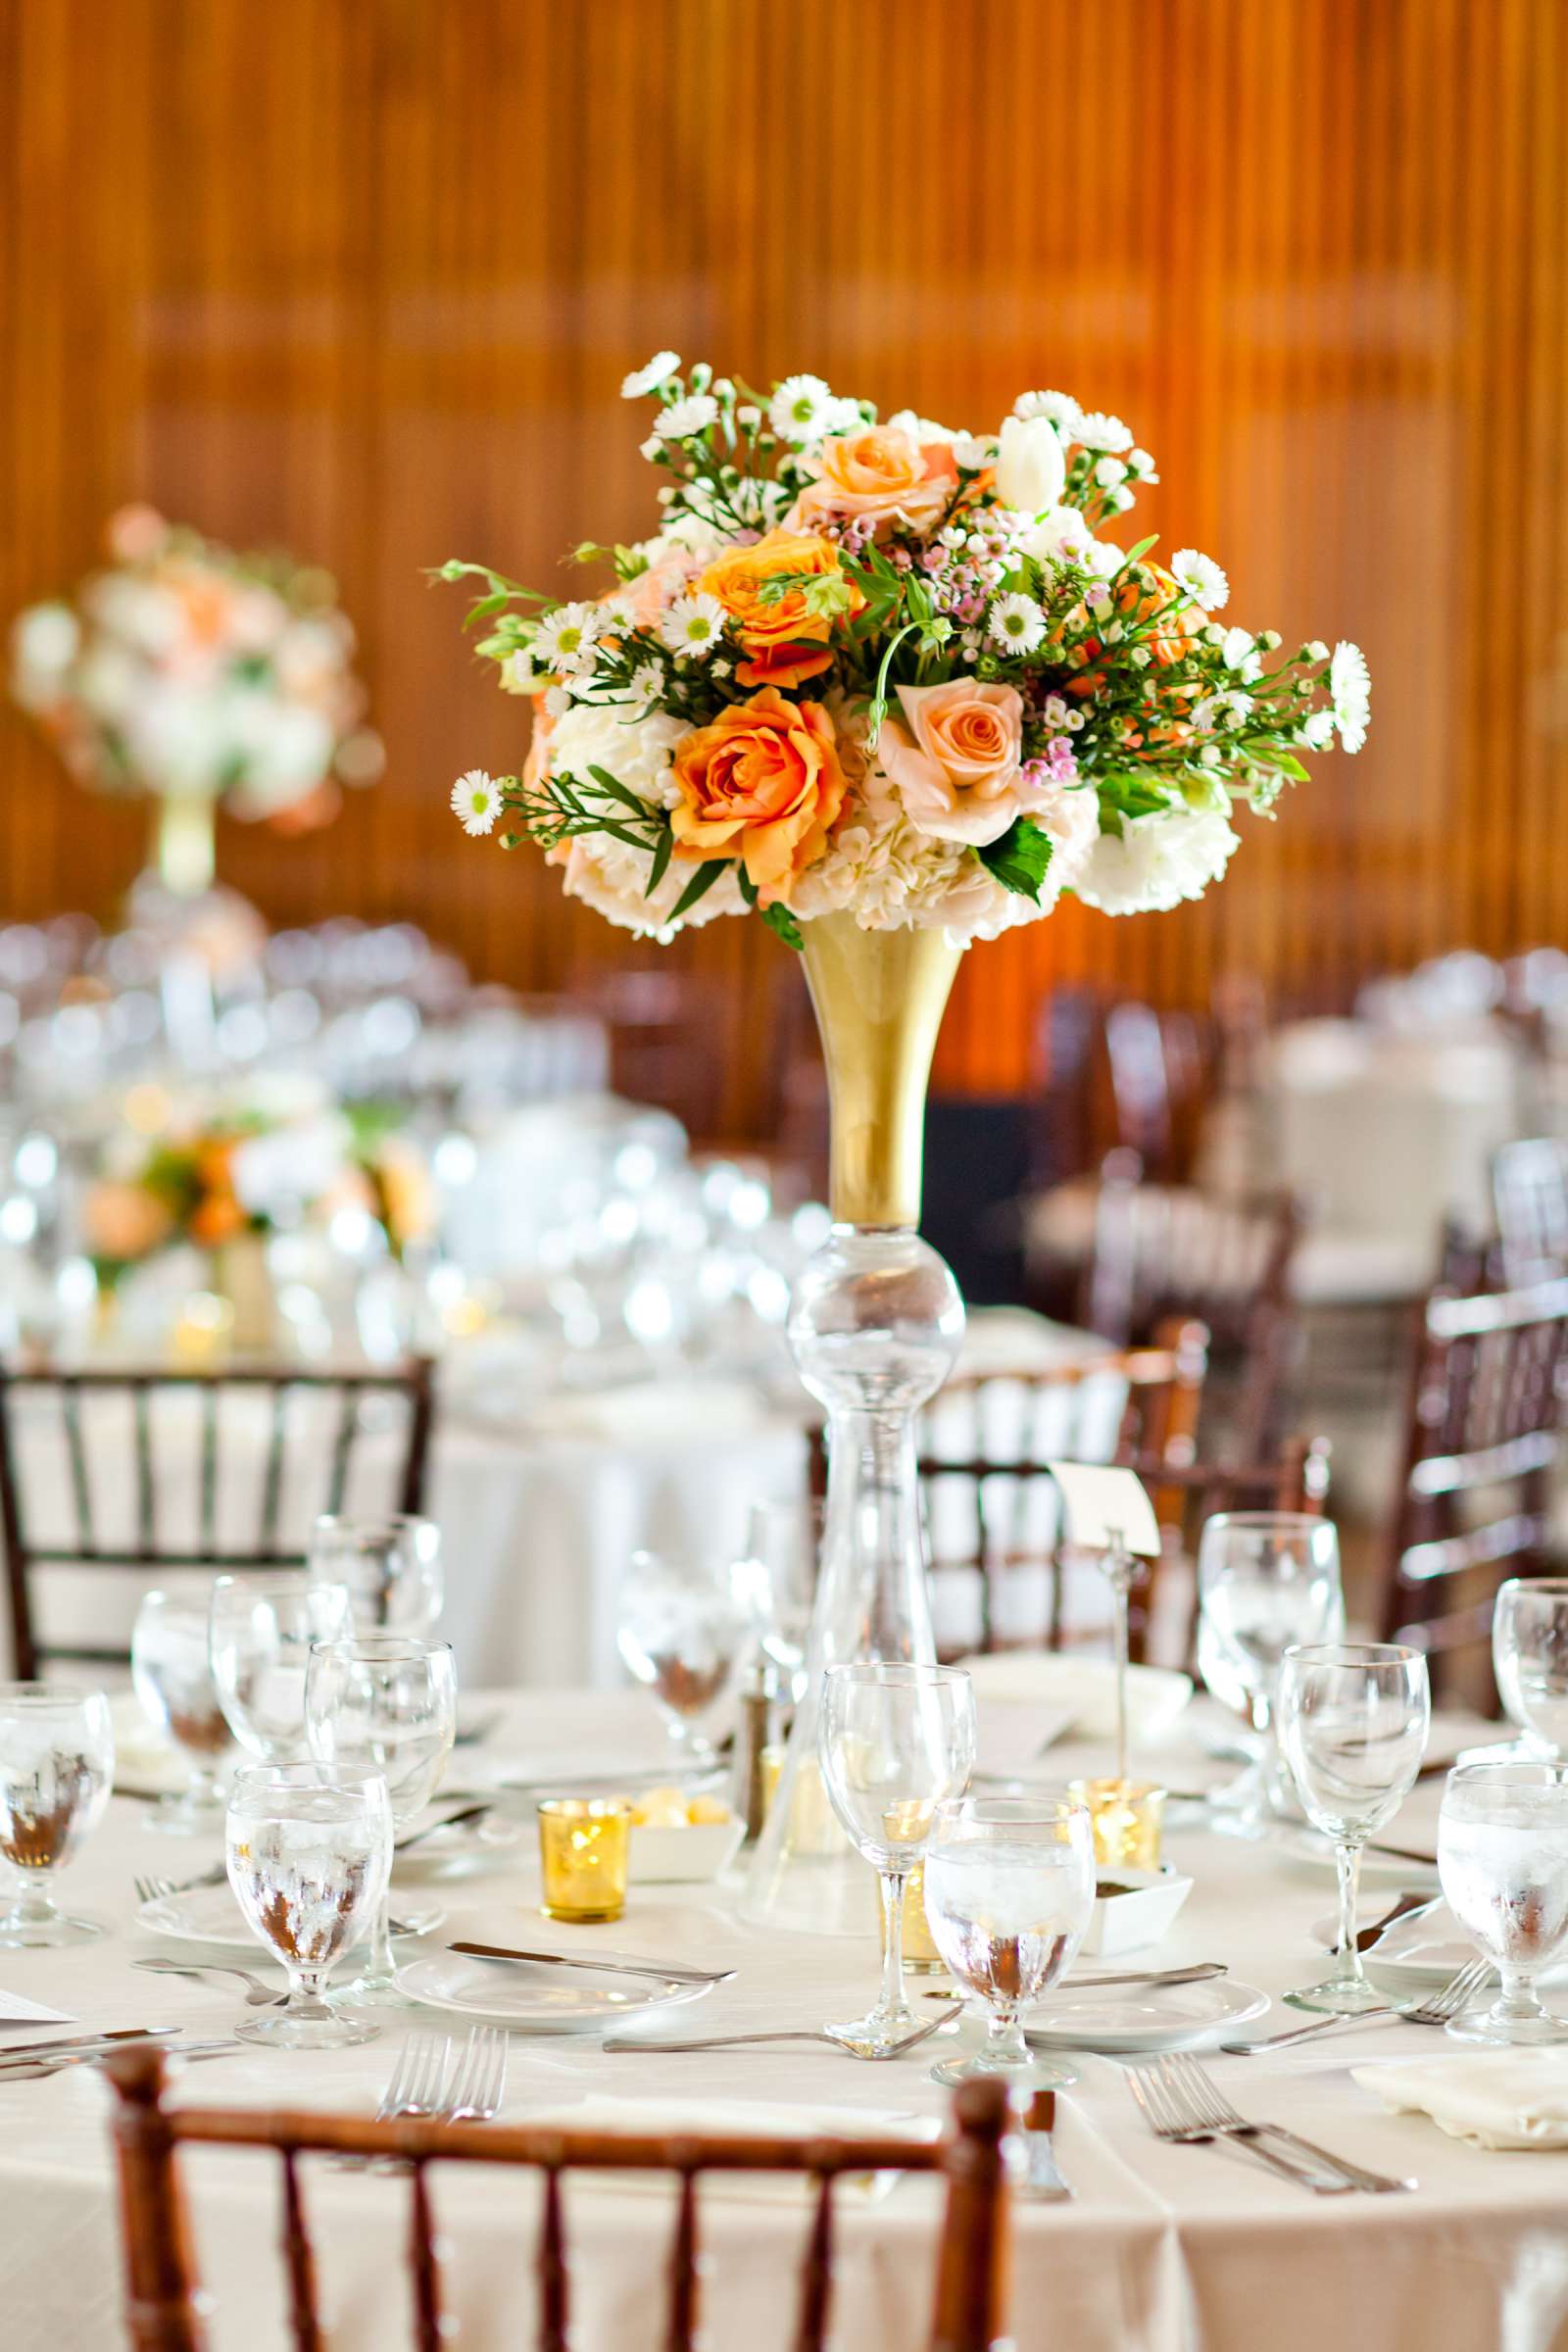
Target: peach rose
(881,473)
(1146,596)
(124,1221)
(957,765)
(763,784)
(784,641)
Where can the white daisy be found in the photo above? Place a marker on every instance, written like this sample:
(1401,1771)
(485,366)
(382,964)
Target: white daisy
(1104,559)
(1063,410)
(693,623)
(800,408)
(1351,685)
(1239,652)
(564,638)
(644,380)
(521,672)
(684,418)
(558,701)
(475,800)
(1016,623)
(1109,472)
(1203,579)
(1317,730)
(645,683)
(1142,465)
(1093,430)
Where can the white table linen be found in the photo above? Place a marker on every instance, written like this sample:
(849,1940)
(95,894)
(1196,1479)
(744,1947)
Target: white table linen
(1165,2248)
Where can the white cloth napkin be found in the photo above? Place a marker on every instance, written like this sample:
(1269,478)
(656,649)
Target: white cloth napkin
(1493,2098)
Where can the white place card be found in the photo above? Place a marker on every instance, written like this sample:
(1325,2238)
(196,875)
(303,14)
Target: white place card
(1102,1505)
(14,2011)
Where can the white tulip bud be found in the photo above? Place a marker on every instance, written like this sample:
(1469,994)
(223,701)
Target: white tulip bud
(1031,470)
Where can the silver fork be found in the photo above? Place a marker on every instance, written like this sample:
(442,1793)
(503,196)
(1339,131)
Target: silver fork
(257,1994)
(479,2080)
(415,2089)
(1170,2120)
(1196,2090)
(1444,2005)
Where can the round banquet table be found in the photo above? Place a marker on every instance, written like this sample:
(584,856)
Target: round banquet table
(1164,2249)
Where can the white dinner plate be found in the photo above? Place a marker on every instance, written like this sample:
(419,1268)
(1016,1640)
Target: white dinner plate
(1427,1950)
(533,1997)
(1306,1845)
(1132,2019)
(211,1915)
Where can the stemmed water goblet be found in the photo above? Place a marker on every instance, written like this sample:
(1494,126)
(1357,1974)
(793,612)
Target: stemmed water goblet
(57,1764)
(776,1578)
(1267,1580)
(1010,1890)
(681,1627)
(309,1851)
(1353,1724)
(383,1703)
(894,1740)
(391,1567)
(170,1665)
(1502,1856)
(262,1625)
(1530,1659)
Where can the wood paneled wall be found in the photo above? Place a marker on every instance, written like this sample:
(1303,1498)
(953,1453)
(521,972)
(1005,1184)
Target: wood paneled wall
(363,276)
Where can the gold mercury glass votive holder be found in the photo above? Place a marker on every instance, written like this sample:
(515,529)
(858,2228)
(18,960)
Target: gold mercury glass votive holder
(583,1847)
(1127,1817)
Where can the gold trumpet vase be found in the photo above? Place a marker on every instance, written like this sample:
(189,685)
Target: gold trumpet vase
(874,1327)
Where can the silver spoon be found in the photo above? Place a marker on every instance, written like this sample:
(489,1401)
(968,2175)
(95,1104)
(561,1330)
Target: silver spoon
(258,1995)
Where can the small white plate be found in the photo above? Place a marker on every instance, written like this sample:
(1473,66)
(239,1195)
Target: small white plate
(211,1915)
(1134,2019)
(1306,1845)
(1427,1950)
(671,1854)
(533,1997)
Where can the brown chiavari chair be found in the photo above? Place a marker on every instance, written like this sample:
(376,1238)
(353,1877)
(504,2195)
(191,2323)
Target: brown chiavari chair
(1163,1251)
(665,1046)
(989,1504)
(1529,1193)
(1482,1437)
(165,2303)
(108,1421)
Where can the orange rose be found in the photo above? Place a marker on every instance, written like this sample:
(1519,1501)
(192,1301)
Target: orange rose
(784,641)
(124,1221)
(1146,598)
(763,783)
(882,472)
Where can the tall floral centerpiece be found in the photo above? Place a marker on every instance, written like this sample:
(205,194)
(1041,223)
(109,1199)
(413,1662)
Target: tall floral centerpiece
(196,677)
(888,688)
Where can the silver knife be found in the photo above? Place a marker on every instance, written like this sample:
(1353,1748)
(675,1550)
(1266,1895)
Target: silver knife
(1405,1909)
(1042,2181)
(71,2058)
(25,2054)
(618,1963)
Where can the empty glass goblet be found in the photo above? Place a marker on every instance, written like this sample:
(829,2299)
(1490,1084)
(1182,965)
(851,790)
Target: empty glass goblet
(1009,1889)
(1267,1580)
(262,1626)
(894,1741)
(776,1577)
(1353,1724)
(1502,1856)
(383,1703)
(309,1854)
(170,1665)
(391,1566)
(57,1764)
(1530,1659)
(680,1631)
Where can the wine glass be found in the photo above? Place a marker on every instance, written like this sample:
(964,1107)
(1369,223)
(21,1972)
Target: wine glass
(170,1665)
(261,1628)
(776,1579)
(309,1851)
(1530,1659)
(894,1741)
(681,1629)
(1354,1722)
(391,1566)
(385,1703)
(57,1763)
(1009,1889)
(1502,1856)
(1267,1580)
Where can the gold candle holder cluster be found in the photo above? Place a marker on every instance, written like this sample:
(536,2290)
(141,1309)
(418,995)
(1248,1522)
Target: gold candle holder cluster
(585,1843)
(1127,1818)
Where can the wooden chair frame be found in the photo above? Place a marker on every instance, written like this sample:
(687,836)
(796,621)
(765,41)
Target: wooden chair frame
(412,1382)
(163,2299)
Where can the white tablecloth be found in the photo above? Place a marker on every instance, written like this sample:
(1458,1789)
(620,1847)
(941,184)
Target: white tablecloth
(1165,2249)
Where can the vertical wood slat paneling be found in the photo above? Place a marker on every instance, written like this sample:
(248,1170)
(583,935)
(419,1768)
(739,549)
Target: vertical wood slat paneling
(364,278)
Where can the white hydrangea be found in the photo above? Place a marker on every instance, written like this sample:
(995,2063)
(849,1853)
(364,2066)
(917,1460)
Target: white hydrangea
(636,752)
(612,877)
(1157,861)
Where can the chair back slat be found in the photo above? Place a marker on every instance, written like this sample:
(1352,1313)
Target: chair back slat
(129,1523)
(423,2262)
(164,2299)
(1529,1193)
(300,2255)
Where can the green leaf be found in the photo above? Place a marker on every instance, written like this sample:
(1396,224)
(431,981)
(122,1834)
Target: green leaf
(702,880)
(663,850)
(784,926)
(748,886)
(1135,555)
(617,791)
(1018,860)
